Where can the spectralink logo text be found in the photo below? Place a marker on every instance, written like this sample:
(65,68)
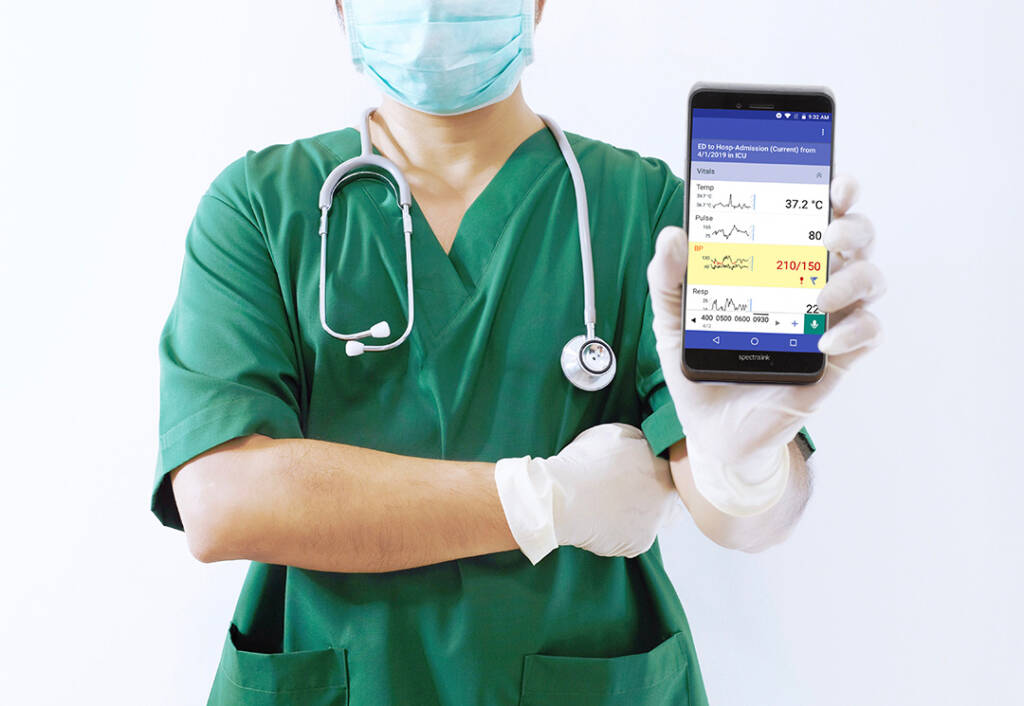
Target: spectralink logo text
(753,356)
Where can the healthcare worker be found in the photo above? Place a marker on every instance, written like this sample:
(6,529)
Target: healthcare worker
(467,516)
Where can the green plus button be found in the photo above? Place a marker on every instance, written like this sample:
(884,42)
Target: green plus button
(814,323)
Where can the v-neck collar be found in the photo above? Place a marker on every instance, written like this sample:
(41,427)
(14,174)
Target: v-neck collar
(445,283)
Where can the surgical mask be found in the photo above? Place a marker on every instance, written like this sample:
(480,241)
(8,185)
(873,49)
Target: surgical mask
(443,57)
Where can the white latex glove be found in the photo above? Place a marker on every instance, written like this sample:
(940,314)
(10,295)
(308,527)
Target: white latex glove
(737,434)
(604,492)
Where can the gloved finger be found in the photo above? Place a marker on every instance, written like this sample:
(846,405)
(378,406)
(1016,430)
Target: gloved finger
(835,317)
(843,193)
(803,400)
(836,368)
(860,280)
(638,547)
(839,365)
(626,431)
(861,329)
(611,430)
(852,234)
(675,513)
(665,275)
(836,262)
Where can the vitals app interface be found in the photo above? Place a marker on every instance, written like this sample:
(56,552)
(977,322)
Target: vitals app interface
(759,190)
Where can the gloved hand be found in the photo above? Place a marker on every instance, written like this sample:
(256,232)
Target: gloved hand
(605,492)
(737,434)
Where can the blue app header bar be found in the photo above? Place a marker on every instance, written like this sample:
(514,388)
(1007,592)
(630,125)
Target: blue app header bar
(778,130)
(759,137)
(760,152)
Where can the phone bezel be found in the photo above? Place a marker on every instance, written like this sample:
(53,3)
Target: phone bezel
(703,364)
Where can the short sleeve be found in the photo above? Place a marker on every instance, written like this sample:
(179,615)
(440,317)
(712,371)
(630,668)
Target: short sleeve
(660,424)
(226,352)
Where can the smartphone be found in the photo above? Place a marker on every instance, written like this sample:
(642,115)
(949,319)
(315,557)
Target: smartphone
(757,204)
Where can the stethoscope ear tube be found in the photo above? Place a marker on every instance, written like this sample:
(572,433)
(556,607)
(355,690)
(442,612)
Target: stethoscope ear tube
(403,195)
(345,173)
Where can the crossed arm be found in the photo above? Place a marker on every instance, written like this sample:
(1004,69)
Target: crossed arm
(333,507)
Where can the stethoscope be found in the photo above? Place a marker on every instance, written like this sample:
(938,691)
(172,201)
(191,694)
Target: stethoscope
(587,361)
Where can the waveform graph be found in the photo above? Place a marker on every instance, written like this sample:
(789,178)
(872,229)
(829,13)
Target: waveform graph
(757,265)
(759,198)
(719,198)
(727,262)
(748,308)
(724,227)
(725,304)
(732,231)
(755,212)
(738,205)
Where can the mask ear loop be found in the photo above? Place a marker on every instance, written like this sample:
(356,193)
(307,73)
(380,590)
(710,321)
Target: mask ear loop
(531,16)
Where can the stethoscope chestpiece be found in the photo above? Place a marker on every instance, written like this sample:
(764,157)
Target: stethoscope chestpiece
(588,363)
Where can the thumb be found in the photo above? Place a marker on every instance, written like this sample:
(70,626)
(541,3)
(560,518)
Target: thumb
(675,513)
(665,275)
(667,267)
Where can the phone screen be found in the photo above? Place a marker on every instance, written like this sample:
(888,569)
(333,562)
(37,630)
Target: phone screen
(758,207)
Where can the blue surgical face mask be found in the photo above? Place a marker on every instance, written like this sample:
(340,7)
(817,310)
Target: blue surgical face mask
(443,57)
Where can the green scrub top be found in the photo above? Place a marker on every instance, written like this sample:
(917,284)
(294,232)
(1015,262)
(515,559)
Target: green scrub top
(479,379)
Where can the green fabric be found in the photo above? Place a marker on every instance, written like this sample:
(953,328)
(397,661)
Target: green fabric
(279,679)
(662,428)
(807,437)
(243,352)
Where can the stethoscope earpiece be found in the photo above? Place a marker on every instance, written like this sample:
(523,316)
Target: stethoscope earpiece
(355,347)
(588,362)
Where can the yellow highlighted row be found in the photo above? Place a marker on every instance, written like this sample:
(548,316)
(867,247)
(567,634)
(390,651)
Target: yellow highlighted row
(756,265)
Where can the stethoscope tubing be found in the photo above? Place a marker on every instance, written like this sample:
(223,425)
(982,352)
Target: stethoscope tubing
(574,366)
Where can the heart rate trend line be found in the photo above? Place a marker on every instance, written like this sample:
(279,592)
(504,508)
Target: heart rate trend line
(732,231)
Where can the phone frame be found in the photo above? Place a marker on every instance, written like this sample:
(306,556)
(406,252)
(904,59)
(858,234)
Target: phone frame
(702,364)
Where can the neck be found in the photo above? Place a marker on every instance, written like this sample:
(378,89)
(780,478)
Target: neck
(452,148)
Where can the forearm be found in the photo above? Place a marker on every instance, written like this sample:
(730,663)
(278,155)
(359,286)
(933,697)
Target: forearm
(334,507)
(750,534)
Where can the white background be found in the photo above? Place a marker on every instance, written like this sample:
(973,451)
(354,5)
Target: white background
(902,584)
